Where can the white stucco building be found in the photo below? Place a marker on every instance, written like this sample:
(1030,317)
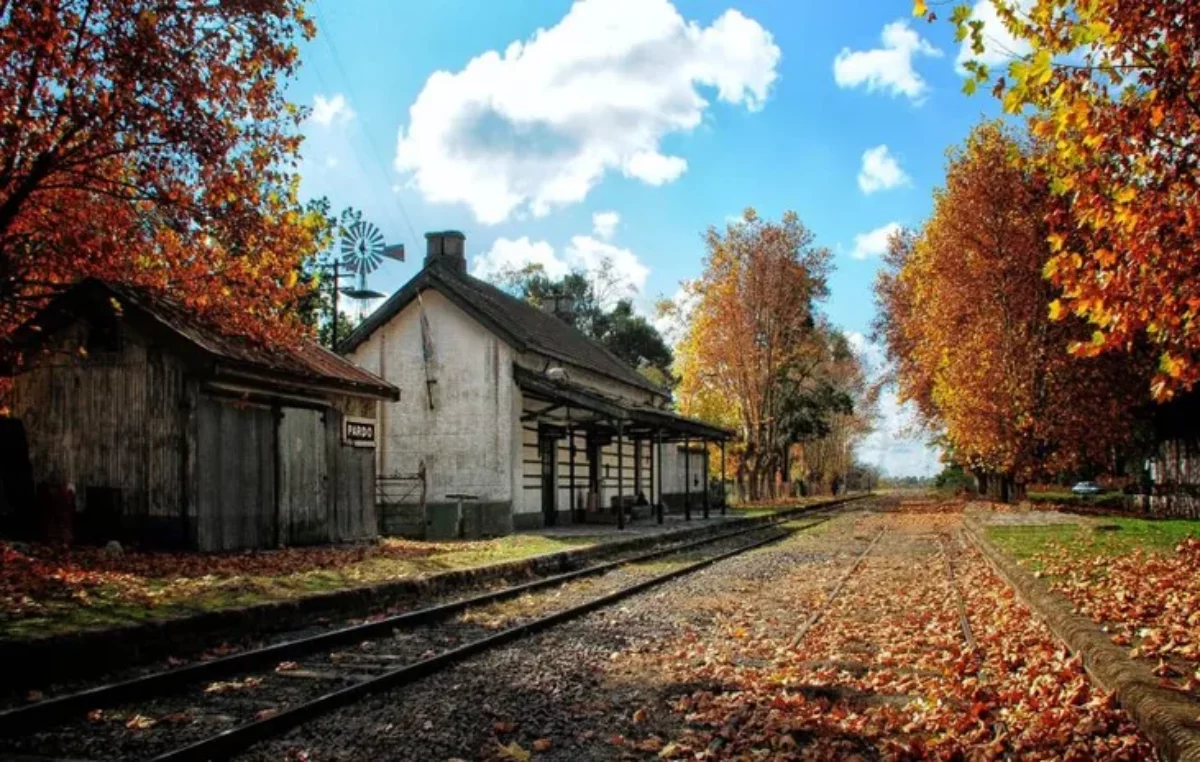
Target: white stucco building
(513,406)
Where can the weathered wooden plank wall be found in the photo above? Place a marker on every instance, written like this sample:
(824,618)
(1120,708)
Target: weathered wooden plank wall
(235,469)
(110,420)
(352,479)
(303,477)
(186,467)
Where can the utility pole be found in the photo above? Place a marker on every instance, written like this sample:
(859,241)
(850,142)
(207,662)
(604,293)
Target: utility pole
(336,275)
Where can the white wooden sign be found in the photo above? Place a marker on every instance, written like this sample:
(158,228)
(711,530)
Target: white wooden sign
(358,432)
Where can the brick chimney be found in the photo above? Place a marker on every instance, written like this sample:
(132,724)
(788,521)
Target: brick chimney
(446,248)
(561,305)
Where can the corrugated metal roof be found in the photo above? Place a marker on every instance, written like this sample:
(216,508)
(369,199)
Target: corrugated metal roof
(304,361)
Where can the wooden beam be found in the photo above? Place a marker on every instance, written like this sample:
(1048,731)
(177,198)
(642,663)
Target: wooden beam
(687,481)
(656,504)
(724,494)
(620,475)
(571,468)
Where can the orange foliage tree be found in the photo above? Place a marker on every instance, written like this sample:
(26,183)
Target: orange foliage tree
(752,334)
(149,142)
(963,311)
(1113,86)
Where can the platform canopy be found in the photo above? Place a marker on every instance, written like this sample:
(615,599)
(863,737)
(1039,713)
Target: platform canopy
(586,408)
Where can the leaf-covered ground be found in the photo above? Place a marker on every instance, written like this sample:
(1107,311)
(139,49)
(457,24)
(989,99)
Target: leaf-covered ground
(46,590)
(887,672)
(1148,599)
(709,667)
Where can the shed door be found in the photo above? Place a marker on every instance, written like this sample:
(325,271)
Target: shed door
(303,487)
(235,471)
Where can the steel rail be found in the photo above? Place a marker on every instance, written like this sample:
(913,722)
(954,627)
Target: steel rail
(230,742)
(820,612)
(25,719)
(963,622)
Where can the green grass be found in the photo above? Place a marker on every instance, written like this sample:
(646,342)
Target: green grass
(1087,539)
(106,607)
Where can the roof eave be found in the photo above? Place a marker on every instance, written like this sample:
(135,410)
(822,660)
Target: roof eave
(256,374)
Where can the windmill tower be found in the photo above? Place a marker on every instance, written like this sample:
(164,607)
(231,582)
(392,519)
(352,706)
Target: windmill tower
(362,249)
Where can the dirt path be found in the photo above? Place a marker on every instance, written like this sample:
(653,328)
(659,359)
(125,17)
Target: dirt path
(712,665)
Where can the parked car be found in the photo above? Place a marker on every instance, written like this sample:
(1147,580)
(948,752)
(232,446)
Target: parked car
(1087,488)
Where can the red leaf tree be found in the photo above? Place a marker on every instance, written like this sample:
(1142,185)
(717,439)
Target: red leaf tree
(149,142)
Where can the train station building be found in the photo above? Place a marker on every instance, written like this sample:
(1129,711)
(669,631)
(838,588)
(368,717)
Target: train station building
(513,418)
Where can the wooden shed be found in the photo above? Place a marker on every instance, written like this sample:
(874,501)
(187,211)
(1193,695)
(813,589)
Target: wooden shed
(172,434)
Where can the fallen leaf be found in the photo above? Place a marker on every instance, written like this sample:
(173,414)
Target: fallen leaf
(513,751)
(140,722)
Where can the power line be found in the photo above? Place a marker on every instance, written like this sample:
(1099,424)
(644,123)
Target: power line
(337,60)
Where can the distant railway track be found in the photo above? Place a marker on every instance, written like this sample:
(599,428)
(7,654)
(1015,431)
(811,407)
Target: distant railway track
(819,613)
(341,666)
(963,621)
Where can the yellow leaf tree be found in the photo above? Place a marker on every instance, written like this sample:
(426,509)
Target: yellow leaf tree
(1113,86)
(753,326)
(965,313)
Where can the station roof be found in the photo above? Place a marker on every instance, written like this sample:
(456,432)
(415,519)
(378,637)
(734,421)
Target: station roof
(305,363)
(516,321)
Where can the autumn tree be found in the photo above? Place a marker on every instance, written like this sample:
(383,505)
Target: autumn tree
(753,333)
(1114,87)
(149,142)
(963,311)
(843,405)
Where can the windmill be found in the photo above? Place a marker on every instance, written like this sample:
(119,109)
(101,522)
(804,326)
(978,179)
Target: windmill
(362,249)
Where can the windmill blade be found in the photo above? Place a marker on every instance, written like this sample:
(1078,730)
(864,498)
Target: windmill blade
(374,238)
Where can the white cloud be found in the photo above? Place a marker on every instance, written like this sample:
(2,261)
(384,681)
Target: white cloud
(326,111)
(623,271)
(604,224)
(880,171)
(872,355)
(999,45)
(537,126)
(508,254)
(895,444)
(653,168)
(873,243)
(621,265)
(889,68)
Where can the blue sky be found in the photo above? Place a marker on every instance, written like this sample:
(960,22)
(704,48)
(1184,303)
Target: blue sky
(673,116)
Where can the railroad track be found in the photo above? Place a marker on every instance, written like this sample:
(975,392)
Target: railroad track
(819,613)
(963,622)
(263,692)
(816,616)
